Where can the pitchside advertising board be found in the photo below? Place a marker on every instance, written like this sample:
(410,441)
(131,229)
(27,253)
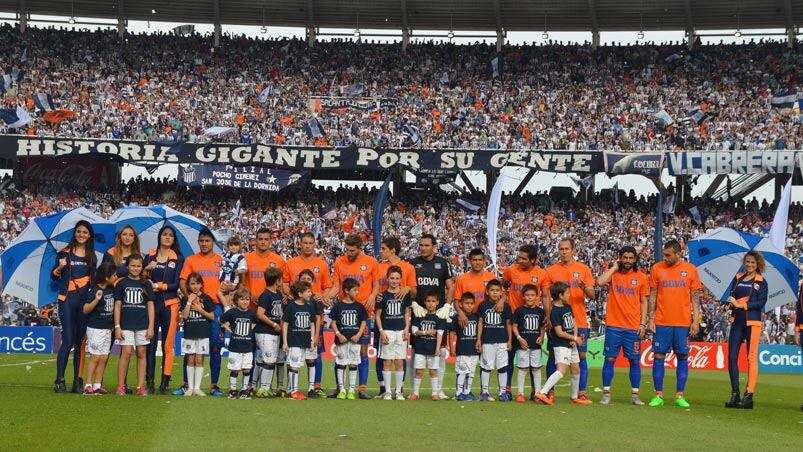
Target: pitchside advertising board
(703,355)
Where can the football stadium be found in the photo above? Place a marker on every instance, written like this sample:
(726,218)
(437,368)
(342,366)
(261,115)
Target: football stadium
(367,225)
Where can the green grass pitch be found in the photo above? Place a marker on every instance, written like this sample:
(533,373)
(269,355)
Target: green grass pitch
(33,417)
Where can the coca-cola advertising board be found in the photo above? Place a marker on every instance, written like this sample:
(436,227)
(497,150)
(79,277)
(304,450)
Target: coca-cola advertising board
(72,171)
(702,356)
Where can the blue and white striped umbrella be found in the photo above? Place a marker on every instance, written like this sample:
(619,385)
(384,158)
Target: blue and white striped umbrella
(718,255)
(27,262)
(148,220)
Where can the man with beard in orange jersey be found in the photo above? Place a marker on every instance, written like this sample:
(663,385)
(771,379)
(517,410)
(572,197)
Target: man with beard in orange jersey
(365,270)
(258,262)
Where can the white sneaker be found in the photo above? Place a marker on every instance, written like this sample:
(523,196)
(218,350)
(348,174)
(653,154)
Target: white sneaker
(188,394)
(443,396)
(198,392)
(387,396)
(382,395)
(399,396)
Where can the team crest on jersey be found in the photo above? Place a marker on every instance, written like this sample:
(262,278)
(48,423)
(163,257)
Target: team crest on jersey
(273,265)
(755,286)
(218,264)
(576,274)
(683,274)
(171,264)
(633,282)
(534,279)
(316,270)
(363,268)
(418,265)
(437,266)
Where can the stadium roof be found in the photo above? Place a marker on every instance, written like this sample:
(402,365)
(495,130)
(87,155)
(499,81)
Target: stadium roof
(473,15)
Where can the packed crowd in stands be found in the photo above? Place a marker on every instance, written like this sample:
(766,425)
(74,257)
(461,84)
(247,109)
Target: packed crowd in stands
(599,226)
(161,87)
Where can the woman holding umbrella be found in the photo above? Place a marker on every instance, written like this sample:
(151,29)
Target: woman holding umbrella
(164,265)
(746,302)
(73,271)
(125,244)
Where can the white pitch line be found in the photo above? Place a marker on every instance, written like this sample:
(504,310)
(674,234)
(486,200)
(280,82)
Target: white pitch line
(28,362)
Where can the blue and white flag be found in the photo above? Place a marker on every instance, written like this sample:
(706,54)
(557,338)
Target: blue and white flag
(379,213)
(615,194)
(355,89)
(696,215)
(15,119)
(467,204)
(5,83)
(496,66)
(492,216)
(413,132)
(314,128)
(784,99)
(669,205)
(697,115)
(43,102)
(218,131)
(329,212)
(265,94)
(237,210)
(664,117)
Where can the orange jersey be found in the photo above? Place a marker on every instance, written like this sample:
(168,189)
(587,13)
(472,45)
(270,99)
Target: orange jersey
(316,265)
(408,274)
(365,269)
(674,286)
(624,299)
(470,282)
(516,279)
(257,265)
(209,268)
(571,274)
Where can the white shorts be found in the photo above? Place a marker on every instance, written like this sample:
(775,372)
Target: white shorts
(426,361)
(566,355)
(494,356)
(195,346)
(240,361)
(466,364)
(311,354)
(134,337)
(347,354)
(297,357)
(396,348)
(268,348)
(528,358)
(98,342)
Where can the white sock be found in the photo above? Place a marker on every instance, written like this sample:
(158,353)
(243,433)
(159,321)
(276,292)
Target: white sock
(386,379)
(190,374)
(280,375)
(292,381)
(469,381)
(520,380)
(233,382)
(399,381)
(340,375)
(575,384)
(501,377)
(434,383)
(416,385)
(199,377)
(442,367)
(461,383)
(268,377)
(257,370)
(96,386)
(536,375)
(244,384)
(311,377)
(352,379)
(551,381)
(485,379)
(263,377)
